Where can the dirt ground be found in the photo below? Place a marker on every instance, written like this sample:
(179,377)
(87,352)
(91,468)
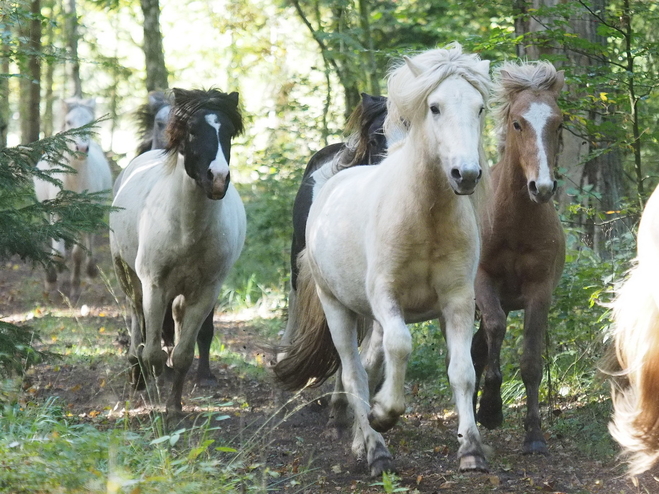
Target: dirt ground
(296,447)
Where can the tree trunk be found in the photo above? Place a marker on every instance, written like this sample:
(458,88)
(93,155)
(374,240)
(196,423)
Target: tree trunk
(4,83)
(156,71)
(72,40)
(31,76)
(373,81)
(47,119)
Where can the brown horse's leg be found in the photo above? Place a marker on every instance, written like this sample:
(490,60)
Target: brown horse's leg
(535,326)
(493,331)
(479,357)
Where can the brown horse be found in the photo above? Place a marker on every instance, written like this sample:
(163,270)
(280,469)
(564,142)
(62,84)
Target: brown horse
(523,245)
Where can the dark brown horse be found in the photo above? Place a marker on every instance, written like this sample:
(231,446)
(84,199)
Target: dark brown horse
(523,245)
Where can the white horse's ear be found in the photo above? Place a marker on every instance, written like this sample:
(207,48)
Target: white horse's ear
(89,103)
(557,87)
(233,97)
(483,67)
(414,68)
(504,74)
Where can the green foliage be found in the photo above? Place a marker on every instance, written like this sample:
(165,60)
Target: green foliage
(17,353)
(44,449)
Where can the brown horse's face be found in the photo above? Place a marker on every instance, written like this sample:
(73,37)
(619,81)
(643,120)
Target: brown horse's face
(534,127)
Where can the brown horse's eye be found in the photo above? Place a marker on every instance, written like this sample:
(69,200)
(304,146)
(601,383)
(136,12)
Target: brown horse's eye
(517,126)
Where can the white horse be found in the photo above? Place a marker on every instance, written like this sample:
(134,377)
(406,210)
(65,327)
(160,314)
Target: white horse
(180,228)
(635,391)
(399,243)
(91,173)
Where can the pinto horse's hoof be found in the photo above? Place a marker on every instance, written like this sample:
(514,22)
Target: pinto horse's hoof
(535,448)
(473,463)
(382,464)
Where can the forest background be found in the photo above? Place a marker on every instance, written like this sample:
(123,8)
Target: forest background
(300,67)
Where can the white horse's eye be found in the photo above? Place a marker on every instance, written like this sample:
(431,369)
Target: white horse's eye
(480,112)
(434,109)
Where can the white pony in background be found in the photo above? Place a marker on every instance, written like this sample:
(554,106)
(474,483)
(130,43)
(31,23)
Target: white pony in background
(91,173)
(635,388)
(398,243)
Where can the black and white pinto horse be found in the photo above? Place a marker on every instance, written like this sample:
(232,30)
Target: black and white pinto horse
(89,171)
(366,145)
(399,243)
(152,118)
(179,227)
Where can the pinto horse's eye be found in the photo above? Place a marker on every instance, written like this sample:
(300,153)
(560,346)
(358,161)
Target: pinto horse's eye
(517,126)
(434,109)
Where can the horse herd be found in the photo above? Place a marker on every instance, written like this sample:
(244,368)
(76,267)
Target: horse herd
(431,232)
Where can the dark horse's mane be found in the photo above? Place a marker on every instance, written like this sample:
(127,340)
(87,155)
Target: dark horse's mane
(189,102)
(356,150)
(144,118)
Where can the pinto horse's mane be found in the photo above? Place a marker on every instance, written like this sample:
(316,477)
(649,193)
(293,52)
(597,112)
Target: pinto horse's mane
(189,102)
(356,151)
(511,78)
(408,90)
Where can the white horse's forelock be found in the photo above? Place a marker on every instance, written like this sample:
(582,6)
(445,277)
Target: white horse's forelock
(407,90)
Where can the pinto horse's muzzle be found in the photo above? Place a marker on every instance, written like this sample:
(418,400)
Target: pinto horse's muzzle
(217,185)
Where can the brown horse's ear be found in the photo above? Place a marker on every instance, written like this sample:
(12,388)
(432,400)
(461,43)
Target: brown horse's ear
(233,98)
(557,87)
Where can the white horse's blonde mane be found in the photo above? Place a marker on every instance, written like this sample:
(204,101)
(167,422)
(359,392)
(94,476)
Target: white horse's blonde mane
(408,91)
(510,79)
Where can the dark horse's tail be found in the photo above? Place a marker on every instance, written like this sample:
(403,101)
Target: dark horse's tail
(635,389)
(311,354)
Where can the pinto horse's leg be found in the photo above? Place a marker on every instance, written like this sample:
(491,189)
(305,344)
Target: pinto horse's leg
(343,327)
(188,319)
(154,306)
(204,339)
(535,327)
(486,351)
(457,323)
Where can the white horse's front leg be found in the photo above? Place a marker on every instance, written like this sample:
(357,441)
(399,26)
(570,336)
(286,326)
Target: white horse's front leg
(389,402)
(343,326)
(457,323)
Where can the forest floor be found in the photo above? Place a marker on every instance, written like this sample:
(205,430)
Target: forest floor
(295,447)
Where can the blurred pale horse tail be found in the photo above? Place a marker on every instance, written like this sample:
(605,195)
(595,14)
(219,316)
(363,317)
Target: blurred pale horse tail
(635,391)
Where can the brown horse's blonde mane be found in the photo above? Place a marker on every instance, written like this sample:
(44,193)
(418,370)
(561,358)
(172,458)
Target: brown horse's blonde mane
(510,79)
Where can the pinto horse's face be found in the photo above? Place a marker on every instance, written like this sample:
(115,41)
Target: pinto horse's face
(207,151)
(533,133)
(454,117)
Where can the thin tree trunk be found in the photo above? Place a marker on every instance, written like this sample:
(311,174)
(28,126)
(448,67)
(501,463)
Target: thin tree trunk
(31,77)
(72,24)
(373,81)
(156,70)
(47,119)
(4,83)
